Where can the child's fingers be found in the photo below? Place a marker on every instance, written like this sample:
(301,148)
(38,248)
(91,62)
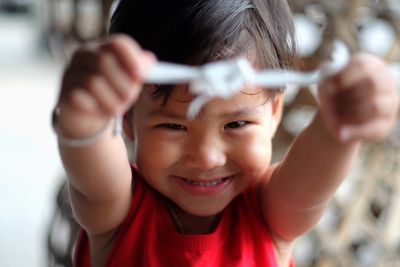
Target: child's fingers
(85,59)
(357,110)
(359,99)
(93,60)
(83,101)
(364,69)
(98,69)
(360,92)
(361,109)
(327,108)
(117,77)
(80,90)
(130,55)
(105,96)
(371,131)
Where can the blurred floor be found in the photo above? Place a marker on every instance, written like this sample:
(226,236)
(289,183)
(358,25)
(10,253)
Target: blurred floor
(29,163)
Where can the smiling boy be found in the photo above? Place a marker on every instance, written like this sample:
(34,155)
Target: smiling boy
(202,191)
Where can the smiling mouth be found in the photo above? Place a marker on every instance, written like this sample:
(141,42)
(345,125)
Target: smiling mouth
(206,184)
(200,187)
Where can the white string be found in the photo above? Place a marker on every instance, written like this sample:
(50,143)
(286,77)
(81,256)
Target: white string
(223,79)
(89,140)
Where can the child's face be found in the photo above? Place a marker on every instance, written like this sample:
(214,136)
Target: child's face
(202,164)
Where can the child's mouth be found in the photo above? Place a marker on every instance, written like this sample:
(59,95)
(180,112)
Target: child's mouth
(206,184)
(203,187)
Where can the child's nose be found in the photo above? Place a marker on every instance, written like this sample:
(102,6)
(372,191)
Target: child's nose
(205,153)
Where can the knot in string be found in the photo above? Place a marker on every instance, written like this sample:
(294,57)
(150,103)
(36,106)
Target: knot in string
(219,79)
(225,78)
(222,79)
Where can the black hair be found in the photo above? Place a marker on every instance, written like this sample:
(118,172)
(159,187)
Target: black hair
(198,31)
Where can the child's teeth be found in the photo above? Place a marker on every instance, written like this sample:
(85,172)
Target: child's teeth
(196,183)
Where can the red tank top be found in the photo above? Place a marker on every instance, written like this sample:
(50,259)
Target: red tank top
(148,237)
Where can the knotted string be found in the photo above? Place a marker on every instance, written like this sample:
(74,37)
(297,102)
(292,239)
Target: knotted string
(224,79)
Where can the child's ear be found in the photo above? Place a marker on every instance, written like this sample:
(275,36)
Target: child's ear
(128,125)
(277,110)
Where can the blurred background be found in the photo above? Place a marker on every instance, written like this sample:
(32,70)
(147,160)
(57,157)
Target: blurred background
(30,168)
(362,225)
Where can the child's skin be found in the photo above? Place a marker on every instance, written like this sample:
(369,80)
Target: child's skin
(230,139)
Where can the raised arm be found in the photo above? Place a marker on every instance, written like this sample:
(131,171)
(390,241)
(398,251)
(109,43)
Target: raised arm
(101,81)
(358,104)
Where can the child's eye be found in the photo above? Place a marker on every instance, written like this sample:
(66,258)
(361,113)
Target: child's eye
(171,126)
(236,124)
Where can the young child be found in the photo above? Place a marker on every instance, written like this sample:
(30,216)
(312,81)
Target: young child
(202,191)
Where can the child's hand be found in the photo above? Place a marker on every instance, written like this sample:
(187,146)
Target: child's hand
(101,81)
(360,103)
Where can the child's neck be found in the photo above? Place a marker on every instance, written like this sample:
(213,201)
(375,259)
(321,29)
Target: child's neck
(189,224)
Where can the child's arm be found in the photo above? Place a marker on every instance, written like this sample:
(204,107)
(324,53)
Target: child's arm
(358,104)
(101,81)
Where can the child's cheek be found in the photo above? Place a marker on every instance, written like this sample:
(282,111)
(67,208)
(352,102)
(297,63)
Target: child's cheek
(158,154)
(254,156)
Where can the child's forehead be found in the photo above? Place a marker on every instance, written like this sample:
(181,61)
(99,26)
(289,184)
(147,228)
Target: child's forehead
(182,94)
(179,99)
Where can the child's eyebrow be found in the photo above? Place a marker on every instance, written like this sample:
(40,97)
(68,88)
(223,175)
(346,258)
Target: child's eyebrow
(166,114)
(251,110)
